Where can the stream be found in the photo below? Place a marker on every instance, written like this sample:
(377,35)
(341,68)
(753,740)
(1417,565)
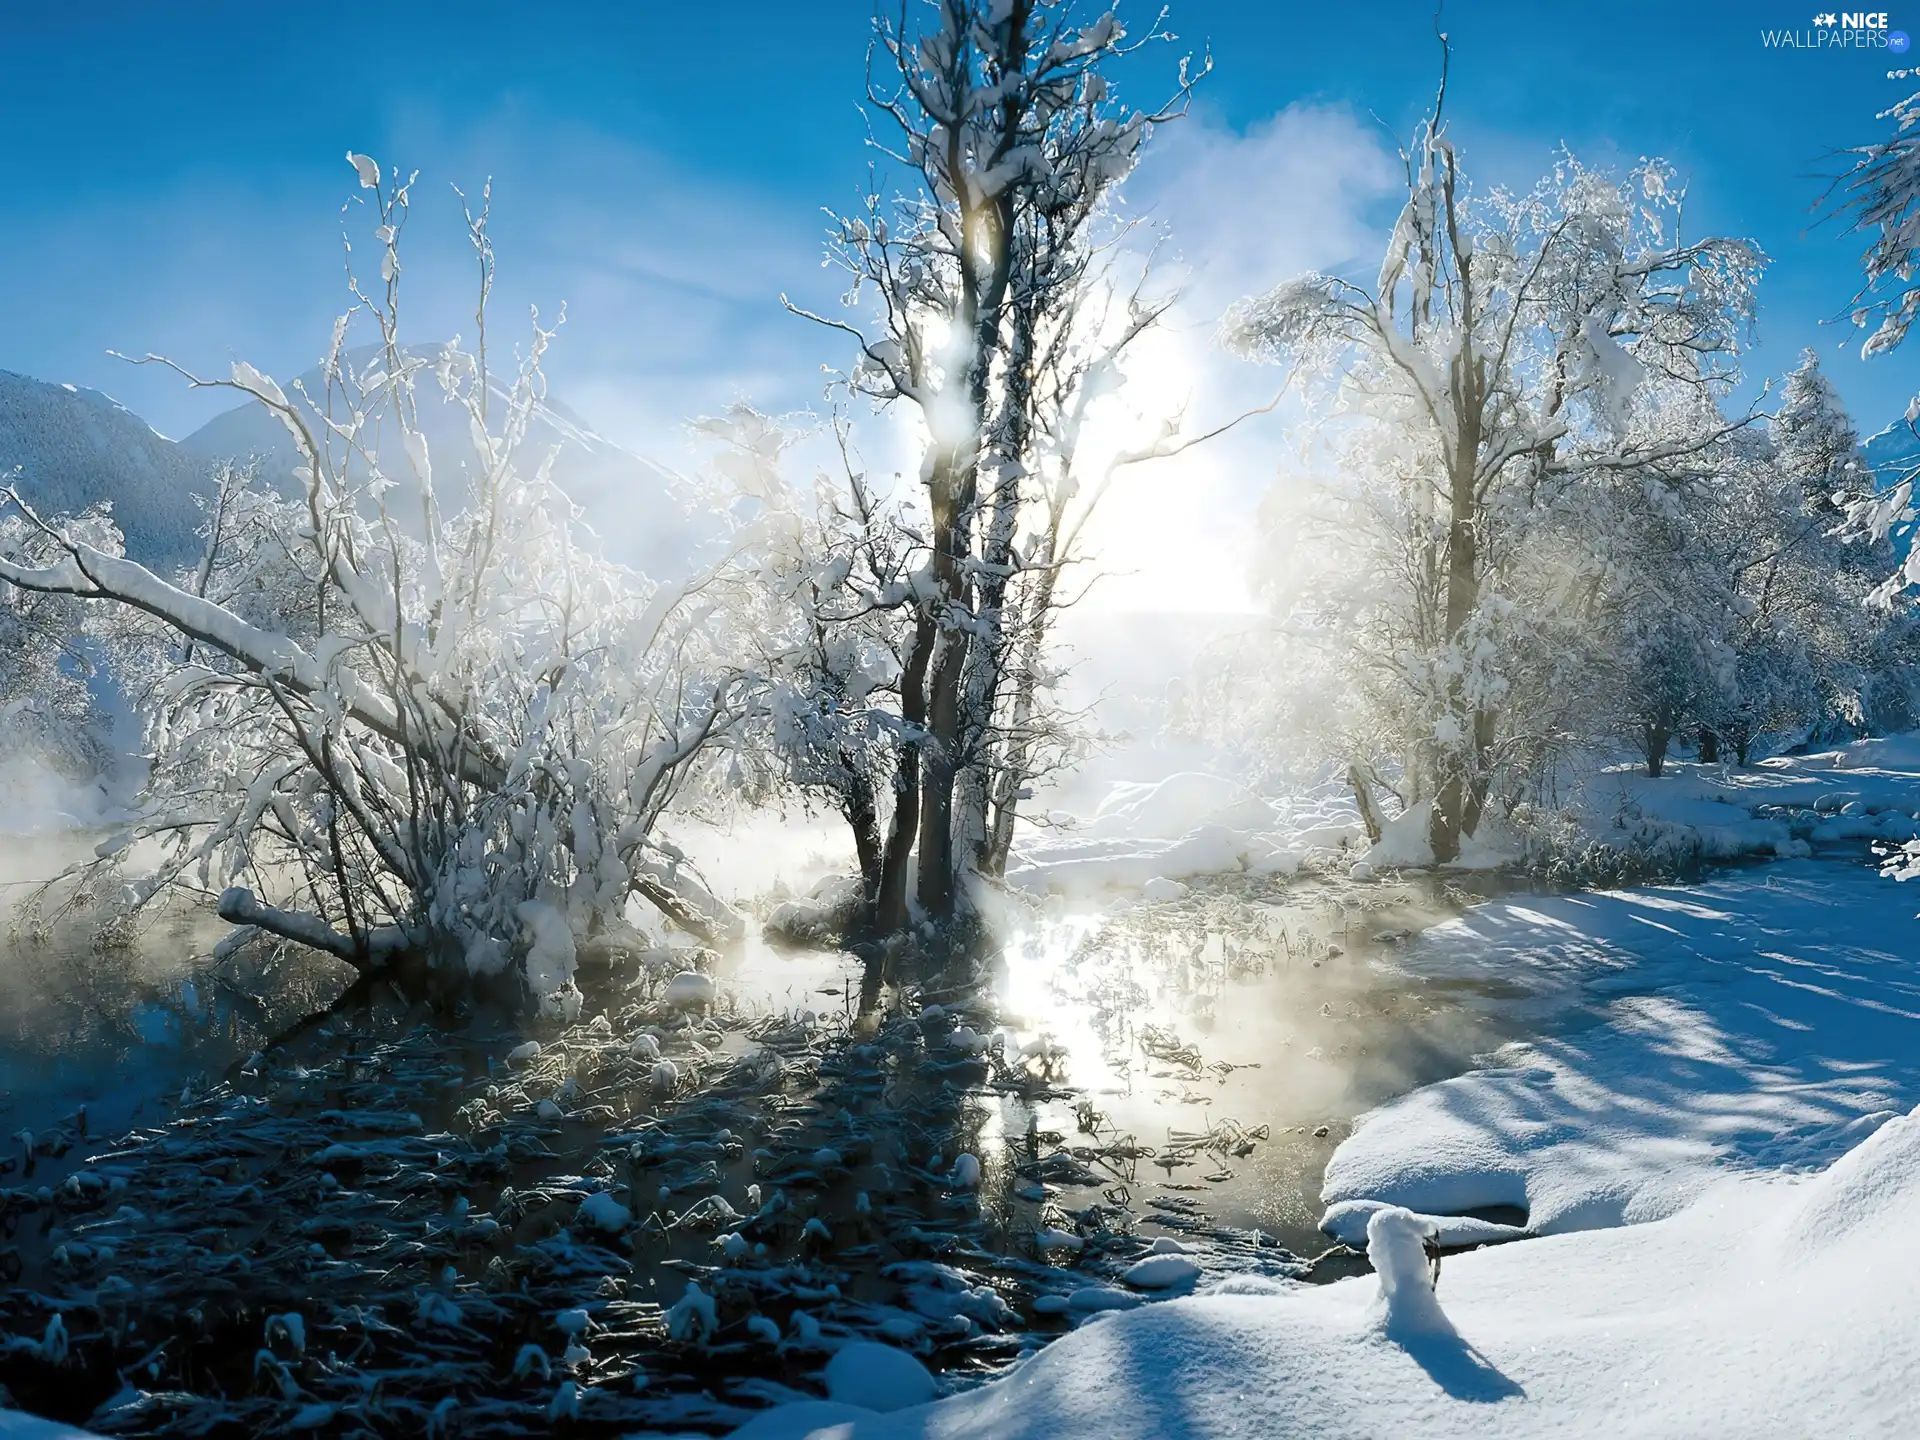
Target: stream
(664,1217)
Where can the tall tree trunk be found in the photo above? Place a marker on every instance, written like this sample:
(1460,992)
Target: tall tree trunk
(1011,781)
(985,752)
(982,750)
(1742,737)
(1481,777)
(938,770)
(1654,735)
(1370,820)
(890,906)
(1709,745)
(861,808)
(939,758)
(1460,779)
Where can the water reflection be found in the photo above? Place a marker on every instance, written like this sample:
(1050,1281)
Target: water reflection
(114,1028)
(1218,1047)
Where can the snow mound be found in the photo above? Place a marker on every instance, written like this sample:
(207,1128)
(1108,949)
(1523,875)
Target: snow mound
(1874,1186)
(877,1377)
(690,990)
(1405,841)
(1397,1243)
(1162,1272)
(601,1212)
(1756,1021)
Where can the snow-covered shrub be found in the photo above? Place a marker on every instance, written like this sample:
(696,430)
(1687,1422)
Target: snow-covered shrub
(47,714)
(826,608)
(411,712)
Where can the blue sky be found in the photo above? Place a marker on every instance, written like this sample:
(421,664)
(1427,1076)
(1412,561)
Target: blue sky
(175,171)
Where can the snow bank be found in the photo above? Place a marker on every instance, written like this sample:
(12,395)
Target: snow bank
(1783,807)
(1770,1307)
(1181,828)
(1767,1019)
(1194,824)
(18,1425)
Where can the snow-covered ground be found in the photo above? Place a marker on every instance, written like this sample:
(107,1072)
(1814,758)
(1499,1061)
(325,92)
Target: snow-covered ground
(1867,790)
(1710,1140)
(17,1426)
(1773,1306)
(1769,1019)
(1187,825)
(1193,823)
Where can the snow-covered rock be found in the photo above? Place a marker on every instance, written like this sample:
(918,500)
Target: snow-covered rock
(877,1377)
(690,990)
(601,1212)
(1162,1272)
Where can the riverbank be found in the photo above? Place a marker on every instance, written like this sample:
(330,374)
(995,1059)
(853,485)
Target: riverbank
(671,1216)
(1706,1145)
(962,1165)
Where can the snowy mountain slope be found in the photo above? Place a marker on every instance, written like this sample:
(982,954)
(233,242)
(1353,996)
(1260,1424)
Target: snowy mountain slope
(626,498)
(77,447)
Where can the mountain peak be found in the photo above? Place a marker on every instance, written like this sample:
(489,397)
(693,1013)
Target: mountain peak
(74,448)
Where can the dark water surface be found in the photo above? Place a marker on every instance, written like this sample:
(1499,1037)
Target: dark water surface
(487,1246)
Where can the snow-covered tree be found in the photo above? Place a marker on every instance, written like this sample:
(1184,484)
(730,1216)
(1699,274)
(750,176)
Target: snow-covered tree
(1734,604)
(1816,442)
(46,708)
(410,716)
(824,600)
(1503,347)
(1000,116)
(1881,194)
